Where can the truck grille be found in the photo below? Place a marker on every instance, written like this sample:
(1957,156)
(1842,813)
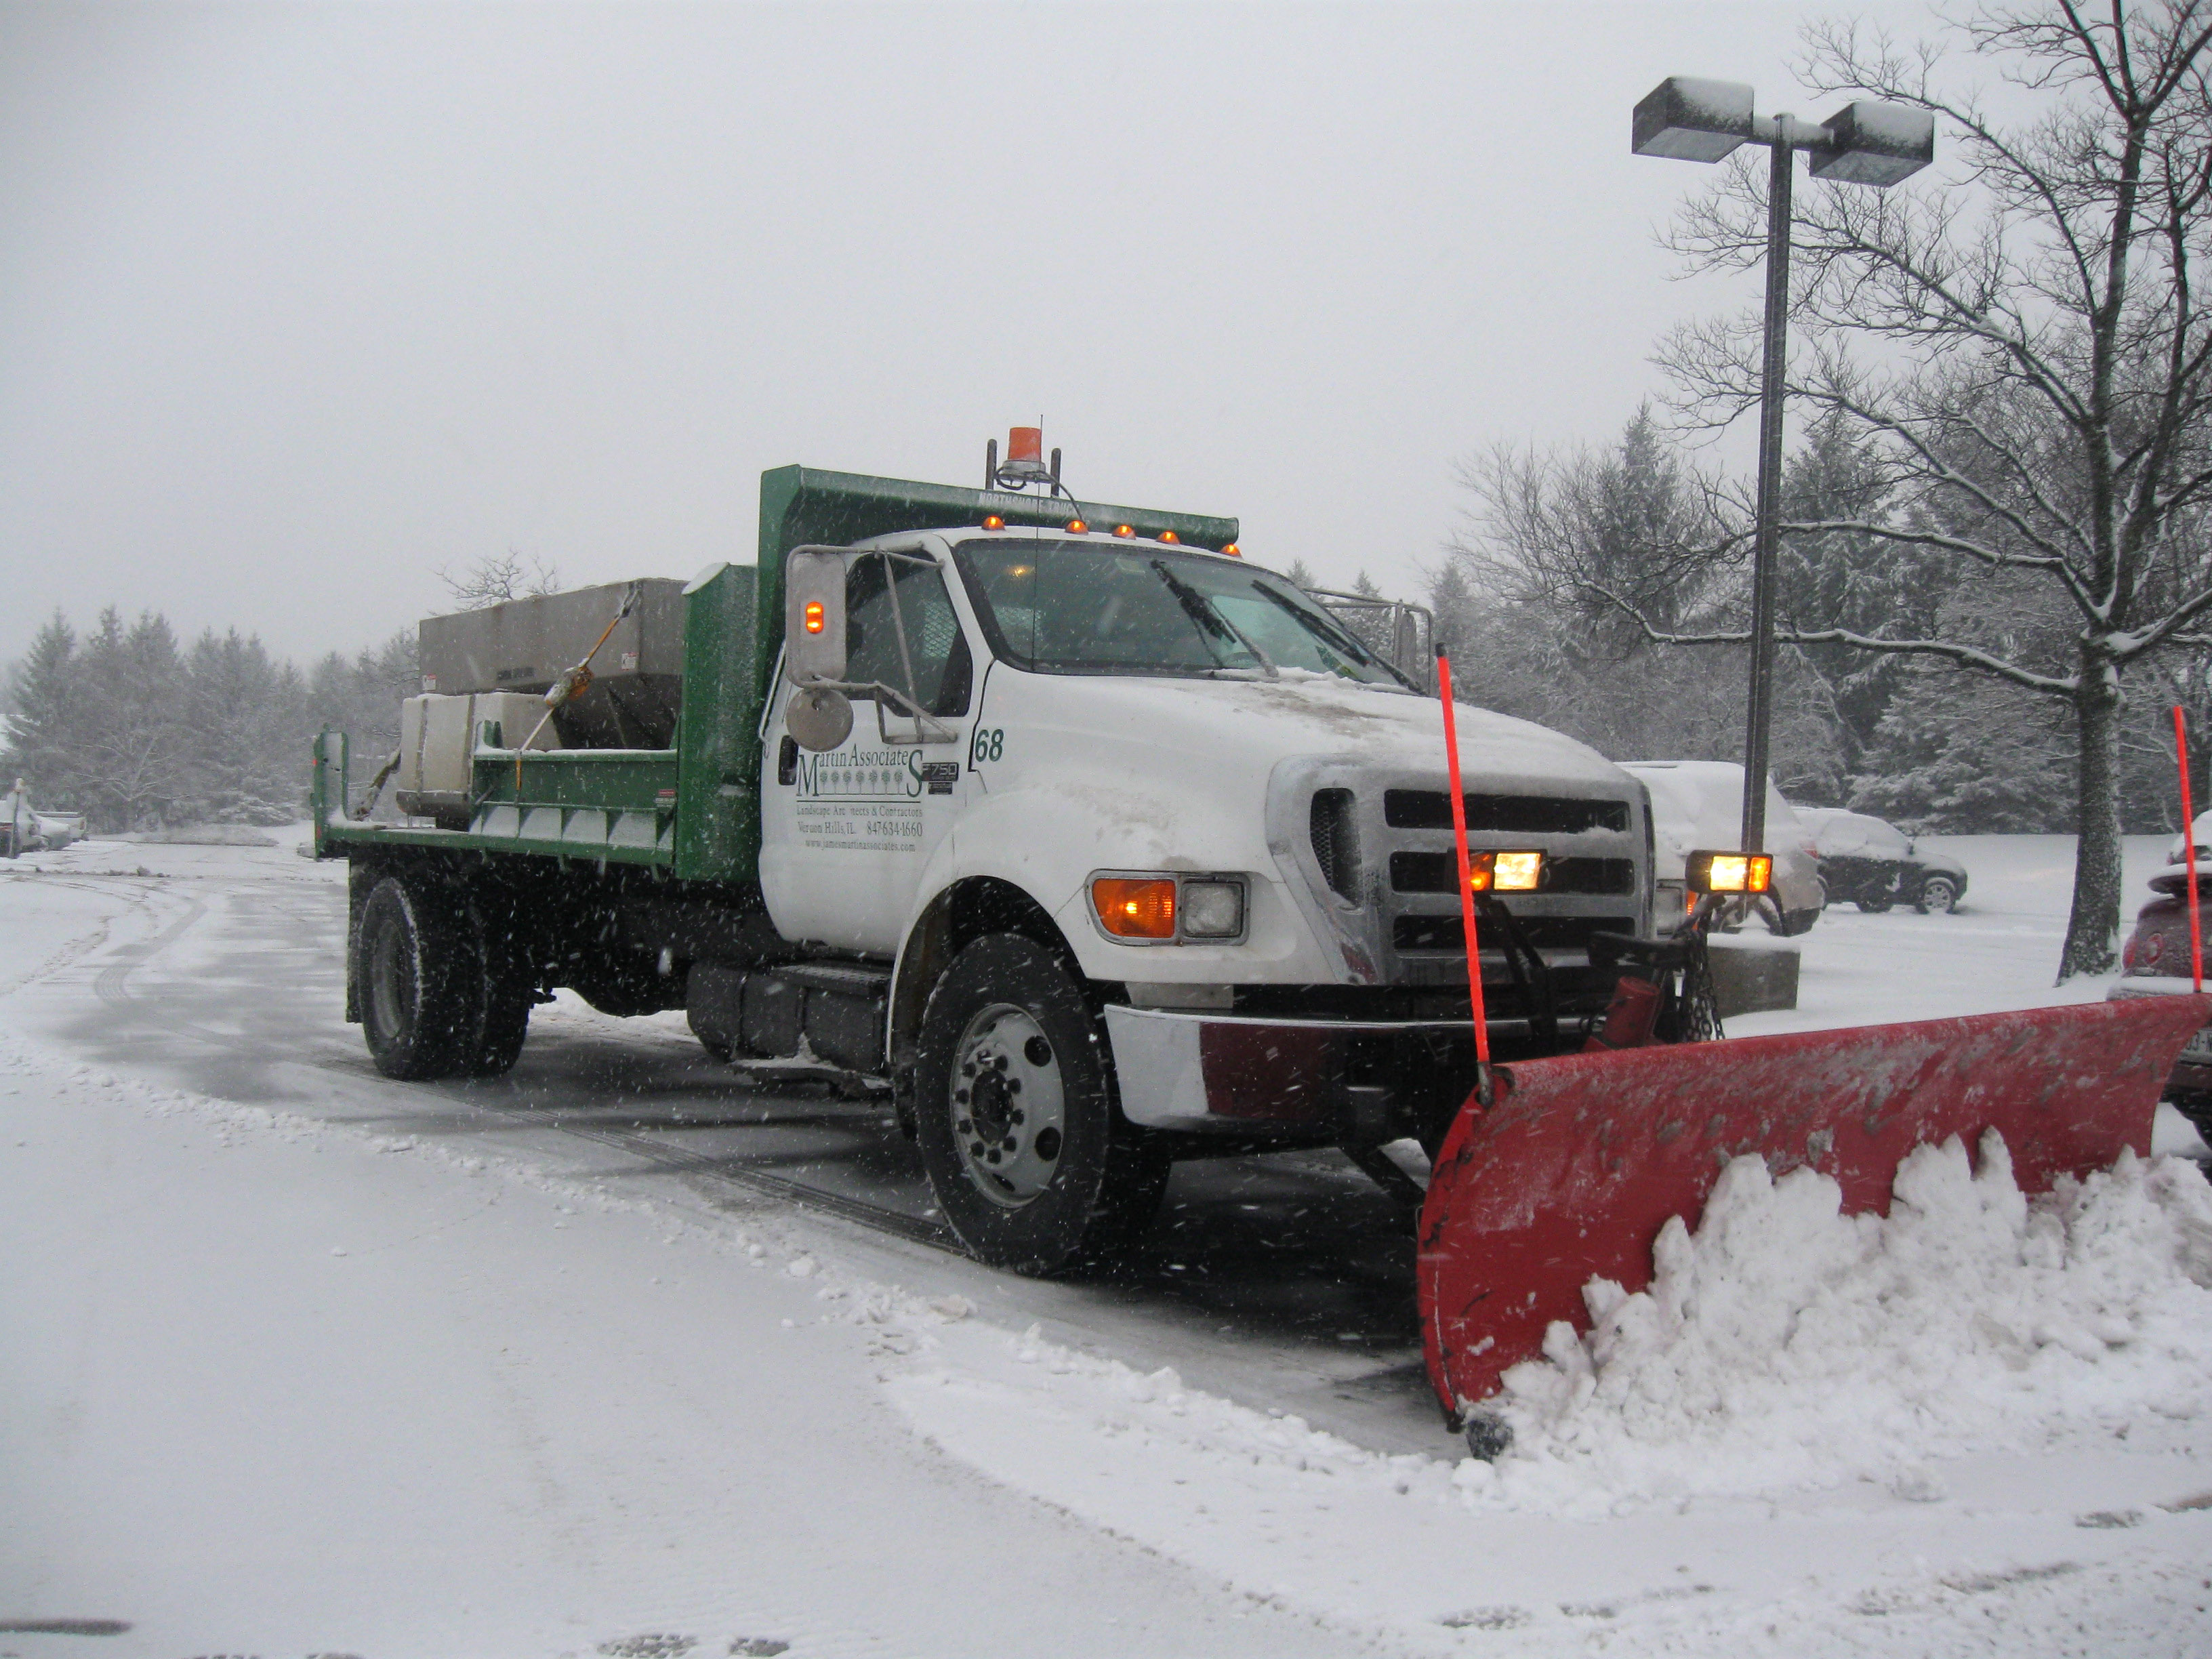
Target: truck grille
(1522,815)
(1438,872)
(1444,933)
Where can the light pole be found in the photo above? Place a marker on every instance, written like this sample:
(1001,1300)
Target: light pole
(1862,143)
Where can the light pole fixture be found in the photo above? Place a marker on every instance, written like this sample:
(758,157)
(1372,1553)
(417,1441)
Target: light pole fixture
(1862,143)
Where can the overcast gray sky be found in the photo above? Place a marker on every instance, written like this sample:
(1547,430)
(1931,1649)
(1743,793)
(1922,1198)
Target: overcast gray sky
(298,304)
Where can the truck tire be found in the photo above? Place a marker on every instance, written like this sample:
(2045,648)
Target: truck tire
(421,978)
(1015,1121)
(502,1021)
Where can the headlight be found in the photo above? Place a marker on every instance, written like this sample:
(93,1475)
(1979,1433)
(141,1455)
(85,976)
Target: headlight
(1728,872)
(1504,872)
(1516,873)
(1212,909)
(1148,907)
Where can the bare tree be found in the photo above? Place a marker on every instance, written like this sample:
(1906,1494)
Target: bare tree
(1591,529)
(2040,365)
(496,578)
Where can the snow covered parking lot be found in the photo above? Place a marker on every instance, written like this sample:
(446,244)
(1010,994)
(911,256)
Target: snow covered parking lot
(295,1360)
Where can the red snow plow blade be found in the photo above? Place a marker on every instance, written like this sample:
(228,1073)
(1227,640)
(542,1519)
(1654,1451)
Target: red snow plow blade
(1572,1172)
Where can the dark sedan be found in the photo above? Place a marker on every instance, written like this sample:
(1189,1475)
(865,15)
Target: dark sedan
(1876,866)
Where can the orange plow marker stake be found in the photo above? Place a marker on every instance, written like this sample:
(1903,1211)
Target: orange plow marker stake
(1580,1160)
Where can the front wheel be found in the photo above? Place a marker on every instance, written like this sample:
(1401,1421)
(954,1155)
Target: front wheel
(1015,1115)
(1939,896)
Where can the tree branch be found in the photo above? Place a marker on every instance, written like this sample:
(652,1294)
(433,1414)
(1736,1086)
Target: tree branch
(1965,656)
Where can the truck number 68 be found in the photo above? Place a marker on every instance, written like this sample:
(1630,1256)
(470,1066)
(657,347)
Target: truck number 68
(989,743)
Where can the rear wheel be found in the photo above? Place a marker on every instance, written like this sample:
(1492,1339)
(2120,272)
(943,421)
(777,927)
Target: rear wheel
(1939,895)
(506,991)
(440,995)
(414,962)
(1874,904)
(1015,1118)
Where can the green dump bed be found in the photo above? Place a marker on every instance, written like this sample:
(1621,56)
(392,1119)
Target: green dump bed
(694,810)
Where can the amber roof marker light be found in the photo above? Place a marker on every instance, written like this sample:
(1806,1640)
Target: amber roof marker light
(1077,527)
(993,521)
(1233,551)
(1169,538)
(1125,530)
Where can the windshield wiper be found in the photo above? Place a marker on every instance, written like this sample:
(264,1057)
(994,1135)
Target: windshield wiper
(1208,620)
(1345,643)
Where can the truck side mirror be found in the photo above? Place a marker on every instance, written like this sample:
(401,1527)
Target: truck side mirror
(814,615)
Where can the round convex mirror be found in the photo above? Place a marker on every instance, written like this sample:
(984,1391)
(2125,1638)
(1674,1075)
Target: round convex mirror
(818,718)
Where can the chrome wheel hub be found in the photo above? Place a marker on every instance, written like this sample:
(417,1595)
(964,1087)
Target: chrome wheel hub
(1007,1105)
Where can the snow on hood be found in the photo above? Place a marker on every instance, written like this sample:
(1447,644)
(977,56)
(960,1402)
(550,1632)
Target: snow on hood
(1263,721)
(1783,1343)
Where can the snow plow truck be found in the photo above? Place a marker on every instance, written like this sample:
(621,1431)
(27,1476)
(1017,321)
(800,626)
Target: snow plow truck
(1102,847)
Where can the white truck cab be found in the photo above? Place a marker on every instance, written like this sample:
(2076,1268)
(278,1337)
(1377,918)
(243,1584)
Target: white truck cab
(1232,815)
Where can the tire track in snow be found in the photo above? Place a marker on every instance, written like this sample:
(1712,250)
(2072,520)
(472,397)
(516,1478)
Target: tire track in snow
(113,985)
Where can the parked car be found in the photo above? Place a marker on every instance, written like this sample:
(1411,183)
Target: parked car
(24,829)
(1699,803)
(2156,961)
(1875,864)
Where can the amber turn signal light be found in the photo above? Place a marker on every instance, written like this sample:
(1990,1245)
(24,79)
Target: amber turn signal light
(814,616)
(1135,907)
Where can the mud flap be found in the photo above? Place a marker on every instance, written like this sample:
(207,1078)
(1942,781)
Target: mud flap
(1578,1163)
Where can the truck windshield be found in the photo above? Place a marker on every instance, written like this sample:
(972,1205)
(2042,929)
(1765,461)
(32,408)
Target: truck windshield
(1062,607)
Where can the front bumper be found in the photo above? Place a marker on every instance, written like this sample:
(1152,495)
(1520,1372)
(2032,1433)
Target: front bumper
(2192,1072)
(1318,1080)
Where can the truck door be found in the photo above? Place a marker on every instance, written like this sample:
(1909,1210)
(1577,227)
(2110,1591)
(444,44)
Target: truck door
(844,833)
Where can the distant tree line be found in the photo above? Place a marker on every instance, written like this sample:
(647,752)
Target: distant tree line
(130,729)
(124,724)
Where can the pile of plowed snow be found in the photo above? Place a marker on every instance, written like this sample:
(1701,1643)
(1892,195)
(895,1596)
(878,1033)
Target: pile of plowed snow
(1785,1344)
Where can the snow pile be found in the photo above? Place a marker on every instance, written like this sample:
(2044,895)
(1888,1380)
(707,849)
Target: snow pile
(1784,1343)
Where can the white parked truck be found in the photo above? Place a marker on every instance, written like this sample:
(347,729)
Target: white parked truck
(1100,844)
